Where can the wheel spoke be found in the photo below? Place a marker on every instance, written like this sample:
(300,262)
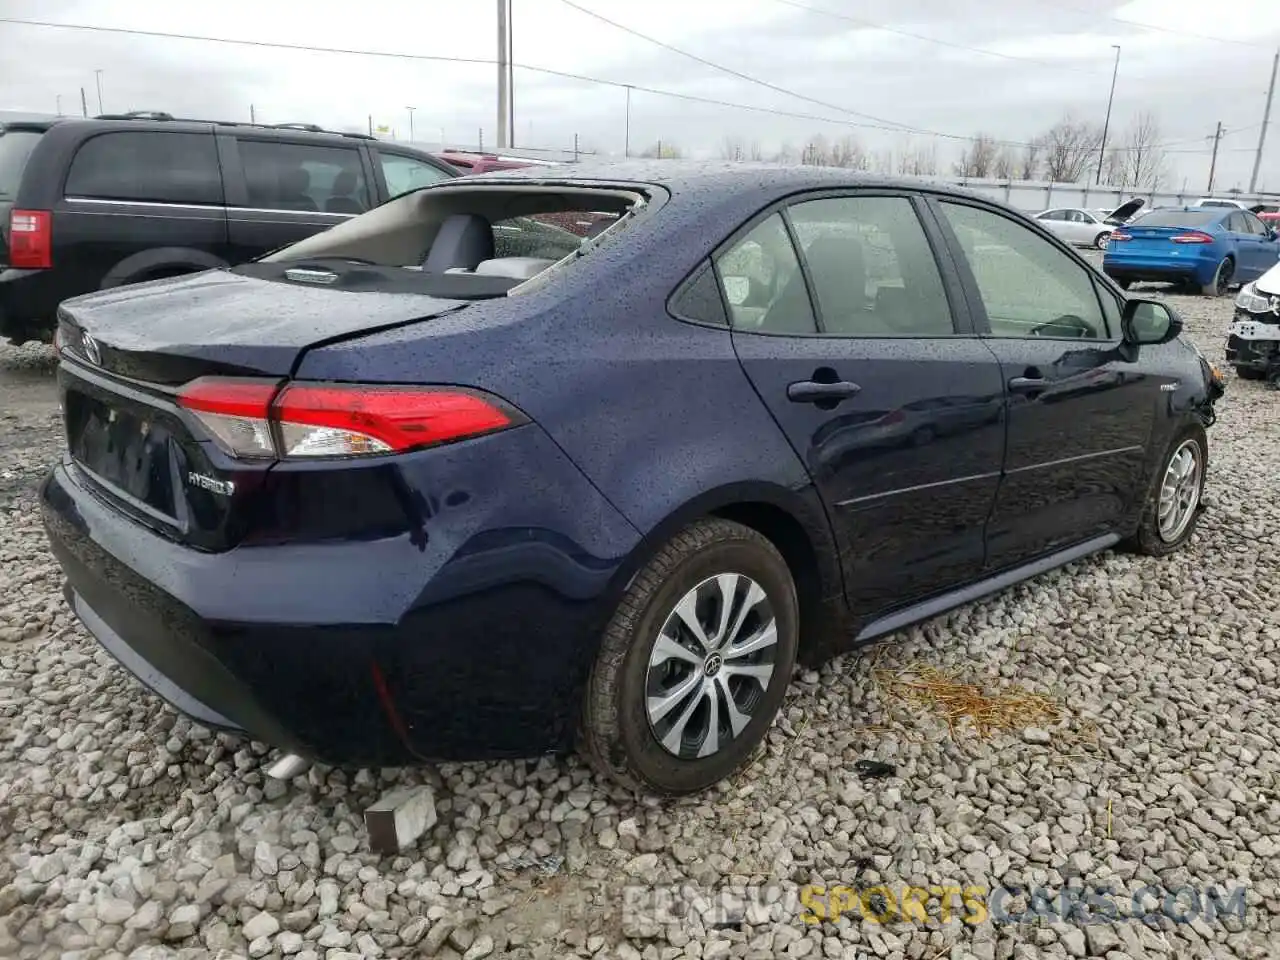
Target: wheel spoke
(728,584)
(711,742)
(687,611)
(737,719)
(766,637)
(666,649)
(675,735)
(754,595)
(757,671)
(662,705)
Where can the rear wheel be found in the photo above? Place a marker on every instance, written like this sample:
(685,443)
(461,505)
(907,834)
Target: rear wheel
(695,662)
(1101,240)
(1248,373)
(1172,509)
(1221,282)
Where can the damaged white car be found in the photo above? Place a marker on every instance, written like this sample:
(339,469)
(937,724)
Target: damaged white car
(1253,343)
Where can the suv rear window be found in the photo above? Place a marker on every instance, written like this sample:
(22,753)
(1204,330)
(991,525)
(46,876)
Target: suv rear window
(296,176)
(15,147)
(147,166)
(1178,218)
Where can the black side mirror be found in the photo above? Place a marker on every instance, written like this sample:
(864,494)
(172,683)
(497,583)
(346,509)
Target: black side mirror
(1148,322)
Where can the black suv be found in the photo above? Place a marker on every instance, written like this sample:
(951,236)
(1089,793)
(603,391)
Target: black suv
(96,203)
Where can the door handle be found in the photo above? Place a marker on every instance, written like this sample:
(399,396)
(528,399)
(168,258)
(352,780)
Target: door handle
(1027,384)
(812,391)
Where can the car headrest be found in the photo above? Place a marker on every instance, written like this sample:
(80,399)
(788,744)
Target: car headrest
(344,184)
(464,240)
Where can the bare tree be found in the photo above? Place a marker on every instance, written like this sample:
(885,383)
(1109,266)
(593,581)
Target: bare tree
(1144,158)
(1005,164)
(817,152)
(1029,165)
(882,161)
(979,158)
(1115,170)
(786,154)
(663,150)
(848,152)
(731,148)
(1069,145)
(916,160)
(756,151)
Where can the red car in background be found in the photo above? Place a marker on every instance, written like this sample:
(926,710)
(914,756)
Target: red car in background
(1269,213)
(468,163)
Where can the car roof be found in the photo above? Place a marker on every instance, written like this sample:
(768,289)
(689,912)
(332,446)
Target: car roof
(711,178)
(147,120)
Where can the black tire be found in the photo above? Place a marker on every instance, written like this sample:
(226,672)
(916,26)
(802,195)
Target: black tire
(1100,241)
(1220,285)
(1148,539)
(616,736)
(1248,373)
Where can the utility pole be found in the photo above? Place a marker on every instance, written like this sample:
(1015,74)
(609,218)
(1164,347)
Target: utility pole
(1266,118)
(511,74)
(411,109)
(84,103)
(253,114)
(504,74)
(97,74)
(575,148)
(58,99)
(1213,163)
(626,144)
(1106,126)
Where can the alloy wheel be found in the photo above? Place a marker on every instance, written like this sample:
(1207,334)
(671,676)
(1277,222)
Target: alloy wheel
(710,665)
(1179,491)
(1223,282)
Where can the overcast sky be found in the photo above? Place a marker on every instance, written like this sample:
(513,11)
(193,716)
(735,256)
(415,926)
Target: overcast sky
(1042,58)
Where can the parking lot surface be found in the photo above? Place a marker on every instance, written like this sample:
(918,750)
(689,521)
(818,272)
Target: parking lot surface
(126,830)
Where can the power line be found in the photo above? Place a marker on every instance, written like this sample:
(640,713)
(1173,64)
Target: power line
(1159,29)
(738,73)
(942,43)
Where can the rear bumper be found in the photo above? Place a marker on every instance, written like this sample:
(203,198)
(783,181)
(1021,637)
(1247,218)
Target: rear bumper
(1260,355)
(319,649)
(28,303)
(1160,269)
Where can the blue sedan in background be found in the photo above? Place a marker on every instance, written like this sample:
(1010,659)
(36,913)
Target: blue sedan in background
(1210,248)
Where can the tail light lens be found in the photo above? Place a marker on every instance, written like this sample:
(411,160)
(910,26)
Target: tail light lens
(1119,236)
(30,239)
(262,419)
(1193,236)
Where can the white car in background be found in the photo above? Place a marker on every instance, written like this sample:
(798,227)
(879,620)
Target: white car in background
(1088,228)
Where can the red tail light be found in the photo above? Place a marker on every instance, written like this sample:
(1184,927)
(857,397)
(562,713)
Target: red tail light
(1119,236)
(260,418)
(1193,236)
(30,239)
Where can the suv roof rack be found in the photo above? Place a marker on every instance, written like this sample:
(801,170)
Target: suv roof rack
(163,116)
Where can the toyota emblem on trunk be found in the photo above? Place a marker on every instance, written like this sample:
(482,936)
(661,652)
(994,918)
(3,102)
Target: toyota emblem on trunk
(91,351)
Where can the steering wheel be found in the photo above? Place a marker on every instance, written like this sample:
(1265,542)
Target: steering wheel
(1067,322)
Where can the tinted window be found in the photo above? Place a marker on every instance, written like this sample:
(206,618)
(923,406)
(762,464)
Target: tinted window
(873,272)
(1053,215)
(405,173)
(526,237)
(295,176)
(763,284)
(1029,287)
(1253,224)
(15,147)
(150,166)
(700,299)
(1178,218)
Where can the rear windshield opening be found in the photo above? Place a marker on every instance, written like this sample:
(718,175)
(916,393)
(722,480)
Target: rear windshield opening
(1178,218)
(15,147)
(473,241)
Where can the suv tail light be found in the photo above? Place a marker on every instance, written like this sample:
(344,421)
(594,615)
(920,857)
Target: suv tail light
(30,239)
(1193,236)
(262,418)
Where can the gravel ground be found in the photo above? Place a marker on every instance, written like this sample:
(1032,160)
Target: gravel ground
(128,831)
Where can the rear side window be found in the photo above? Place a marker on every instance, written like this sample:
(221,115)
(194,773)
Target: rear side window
(763,283)
(15,147)
(296,176)
(147,166)
(405,173)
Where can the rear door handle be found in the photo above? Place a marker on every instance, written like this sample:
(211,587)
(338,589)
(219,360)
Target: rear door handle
(1027,384)
(811,391)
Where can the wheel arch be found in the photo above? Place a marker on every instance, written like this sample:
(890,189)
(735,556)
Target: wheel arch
(149,264)
(795,522)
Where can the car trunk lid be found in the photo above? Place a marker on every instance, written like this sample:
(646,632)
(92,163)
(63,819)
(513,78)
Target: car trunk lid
(127,352)
(1160,239)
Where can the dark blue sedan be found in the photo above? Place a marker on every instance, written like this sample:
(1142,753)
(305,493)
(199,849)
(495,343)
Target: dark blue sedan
(451,482)
(1209,249)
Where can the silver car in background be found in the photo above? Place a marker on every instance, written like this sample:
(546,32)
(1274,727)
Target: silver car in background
(1087,228)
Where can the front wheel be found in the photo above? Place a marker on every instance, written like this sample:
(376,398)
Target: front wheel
(1221,282)
(695,662)
(1101,240)
(1172,508)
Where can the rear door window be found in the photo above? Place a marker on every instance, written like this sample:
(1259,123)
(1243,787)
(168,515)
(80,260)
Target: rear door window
(407,173)
(15,147)
(297,176)
(147,166)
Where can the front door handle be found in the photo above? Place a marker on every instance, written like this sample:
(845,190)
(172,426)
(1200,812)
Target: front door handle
(812,391)
(1027,384)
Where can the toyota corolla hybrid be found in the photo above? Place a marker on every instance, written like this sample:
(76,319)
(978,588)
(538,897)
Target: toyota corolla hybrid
(434,484)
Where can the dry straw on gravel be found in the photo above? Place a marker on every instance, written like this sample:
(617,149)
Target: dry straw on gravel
(986,710)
